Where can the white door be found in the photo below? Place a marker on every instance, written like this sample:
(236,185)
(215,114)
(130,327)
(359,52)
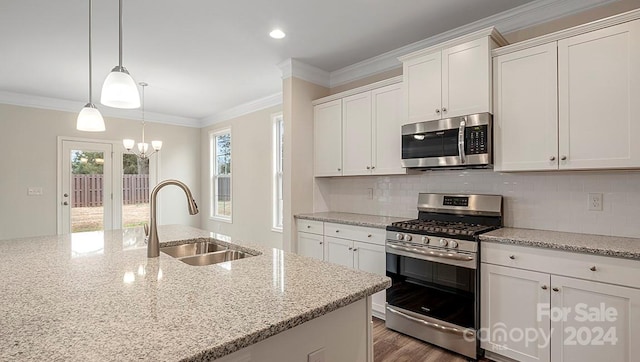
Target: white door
(611,331)
(526,108)
(599,89)
(311,245)
(386,125)
(466,82)
(327,138)
(509,302)
(338,251)
(356,134)
(372,258)
(423,88)
(86,189)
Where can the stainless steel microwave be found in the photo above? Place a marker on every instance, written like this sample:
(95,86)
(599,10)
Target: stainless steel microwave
(458,142)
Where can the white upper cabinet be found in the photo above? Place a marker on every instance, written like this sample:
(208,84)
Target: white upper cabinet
(569,100)
(525,121)
(599,98)
(369,129)
(451,79)
(356,134)
(327,138)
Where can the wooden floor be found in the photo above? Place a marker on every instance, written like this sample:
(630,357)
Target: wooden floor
(391,346)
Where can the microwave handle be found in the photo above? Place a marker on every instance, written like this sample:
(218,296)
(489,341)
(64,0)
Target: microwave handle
(463,123)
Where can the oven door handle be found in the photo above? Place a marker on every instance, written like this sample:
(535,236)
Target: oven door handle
(432,253)
(436,326)
(463,123)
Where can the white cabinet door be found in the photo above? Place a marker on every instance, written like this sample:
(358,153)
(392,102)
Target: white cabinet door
(356,134)
(509,302)
(599,93)
(525,121)
(466,83)
(311,245)
(604,336)
(387,130)
(327,138)
(339,251)
(372,258)
(423,87)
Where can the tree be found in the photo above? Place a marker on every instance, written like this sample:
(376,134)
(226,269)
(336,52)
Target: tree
(132,165)
(87,163)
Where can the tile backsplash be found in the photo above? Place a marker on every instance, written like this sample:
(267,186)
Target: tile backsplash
(535,200)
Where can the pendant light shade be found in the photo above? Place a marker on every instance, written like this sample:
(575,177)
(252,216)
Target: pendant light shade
(119,90)
(89,118)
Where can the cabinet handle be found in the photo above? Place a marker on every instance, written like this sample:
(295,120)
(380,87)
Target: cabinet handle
(369,235)
(372,167)
(544,287)
(355,249)
(552,158)
(512,257)
(321,243)
(368,167)
(438,110)
(339,169)
(593,268)
(350,248)
(337,230)
(563,158)
(308,226)
(444,109)
(555,289)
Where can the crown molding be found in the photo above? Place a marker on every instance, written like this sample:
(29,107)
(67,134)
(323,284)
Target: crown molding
(354,91)
(295,68)
(242,109)
(65,105)
(521,17)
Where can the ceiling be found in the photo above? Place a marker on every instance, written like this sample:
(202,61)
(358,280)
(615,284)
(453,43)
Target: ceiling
(203,57)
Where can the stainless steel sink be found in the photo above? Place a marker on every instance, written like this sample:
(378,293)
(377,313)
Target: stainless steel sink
(203,253)
(191,249)
(214,258)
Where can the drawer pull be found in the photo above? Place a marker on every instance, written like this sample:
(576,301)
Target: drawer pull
(512,257)
(321,243)
(593,268)
(556,289)
(369,235)
(308,226)
(544,287)
(350,248)
(337,231)
(355,249)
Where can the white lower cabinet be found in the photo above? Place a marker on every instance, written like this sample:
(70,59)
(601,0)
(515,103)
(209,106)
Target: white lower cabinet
(555,312)
(355,247)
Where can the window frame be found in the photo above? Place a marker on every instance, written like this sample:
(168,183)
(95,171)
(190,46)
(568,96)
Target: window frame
(214,175)
(277,174)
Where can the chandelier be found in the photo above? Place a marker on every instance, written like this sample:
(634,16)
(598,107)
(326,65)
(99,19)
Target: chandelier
(143,147)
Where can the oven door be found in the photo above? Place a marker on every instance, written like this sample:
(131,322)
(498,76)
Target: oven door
(435,286)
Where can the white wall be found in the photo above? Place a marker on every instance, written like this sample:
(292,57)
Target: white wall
(549,201)
(28,145)
(252,181)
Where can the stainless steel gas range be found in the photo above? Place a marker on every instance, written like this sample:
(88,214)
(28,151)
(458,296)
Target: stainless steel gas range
(433,263)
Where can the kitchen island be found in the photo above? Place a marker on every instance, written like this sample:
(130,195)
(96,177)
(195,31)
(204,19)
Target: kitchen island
(96,296)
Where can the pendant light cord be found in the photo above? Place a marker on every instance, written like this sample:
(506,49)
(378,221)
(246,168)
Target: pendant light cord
(90,69)
(120,35)
(144,85)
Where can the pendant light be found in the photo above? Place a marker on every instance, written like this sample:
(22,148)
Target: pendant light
(89,118)
(119,89)
(143,147)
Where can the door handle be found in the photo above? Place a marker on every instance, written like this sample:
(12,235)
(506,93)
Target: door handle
(65,203)
(66,195)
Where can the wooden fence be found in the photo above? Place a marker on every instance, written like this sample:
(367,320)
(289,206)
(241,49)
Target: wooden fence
(87,190)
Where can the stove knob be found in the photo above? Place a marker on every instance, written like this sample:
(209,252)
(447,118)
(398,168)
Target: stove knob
(453,244)
(425,240)
(443,242)
(407,237)
(399,236)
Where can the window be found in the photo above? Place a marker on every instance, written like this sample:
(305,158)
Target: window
(220,149)
(278,203)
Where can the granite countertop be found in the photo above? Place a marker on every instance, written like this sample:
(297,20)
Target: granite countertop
(584,243)
(96,296)
(374,221)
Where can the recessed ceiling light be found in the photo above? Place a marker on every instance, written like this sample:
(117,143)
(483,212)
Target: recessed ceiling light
(277,34)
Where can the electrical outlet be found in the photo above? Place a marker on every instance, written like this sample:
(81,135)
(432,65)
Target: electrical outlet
(316,356)
(595,202)
(370,194)
(34,191)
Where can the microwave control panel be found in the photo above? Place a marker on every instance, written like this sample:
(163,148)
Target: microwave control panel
(476,140)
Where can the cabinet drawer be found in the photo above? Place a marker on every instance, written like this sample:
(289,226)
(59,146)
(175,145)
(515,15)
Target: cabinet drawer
(310,226)
(584,266)
(358,233)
